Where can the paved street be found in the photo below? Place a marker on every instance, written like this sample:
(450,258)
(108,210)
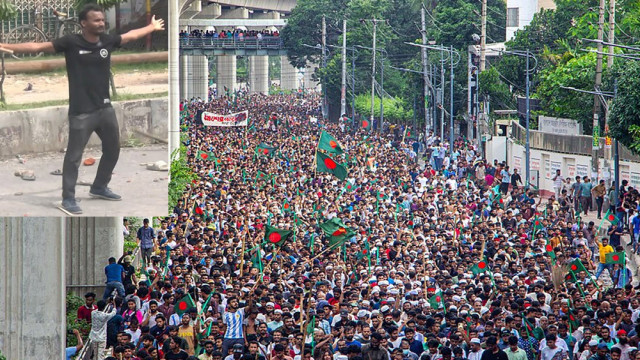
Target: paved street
(144,192)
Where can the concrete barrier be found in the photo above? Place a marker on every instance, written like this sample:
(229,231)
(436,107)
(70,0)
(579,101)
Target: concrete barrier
(47,129)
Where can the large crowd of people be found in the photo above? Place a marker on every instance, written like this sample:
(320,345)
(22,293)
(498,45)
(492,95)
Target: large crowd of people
(446,255)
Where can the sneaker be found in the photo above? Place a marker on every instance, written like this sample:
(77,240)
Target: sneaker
(105,194)
(71,206)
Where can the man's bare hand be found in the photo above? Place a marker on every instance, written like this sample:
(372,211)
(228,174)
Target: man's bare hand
(157,24)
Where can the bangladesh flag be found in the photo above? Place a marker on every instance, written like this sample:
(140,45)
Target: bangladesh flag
(265,149)
(366,124)
(276,236)
(337,232)
(576,266)
(205,155)
(286,207)
(612,218)
(329,144)
(349,187)
(480,267)
(326,164)
(262,176)
(615,258)
(436,300)
(550,252)
(570,277)
(573,321)
(256,261)
(197,209)
(183,305)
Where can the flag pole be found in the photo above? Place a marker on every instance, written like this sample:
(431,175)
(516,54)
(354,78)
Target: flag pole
(244,238)
(322,252)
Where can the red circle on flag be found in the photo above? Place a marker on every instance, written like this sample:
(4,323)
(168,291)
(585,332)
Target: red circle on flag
(549,248)
(365,123)
(364,252)
(501,201)
(537,222)
(482,265)
(204,156)
(339,232)
(266,151)
(275,237)
(261,175)
(182,305)
(319,194)
(349,187)
(611,217)
(571,317)
(574,267)
(329,163)
(286,206)
(615,258)
(438,298)
(218,161)
(333,144)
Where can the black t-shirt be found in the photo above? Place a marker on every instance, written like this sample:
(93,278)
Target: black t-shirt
(88,68)
(489,355)
(182,355)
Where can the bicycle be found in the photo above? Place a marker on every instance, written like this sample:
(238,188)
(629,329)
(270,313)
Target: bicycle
(64,25)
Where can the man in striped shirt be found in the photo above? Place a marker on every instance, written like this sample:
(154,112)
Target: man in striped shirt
(233,324)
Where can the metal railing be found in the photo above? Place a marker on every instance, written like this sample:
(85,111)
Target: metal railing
(252,43)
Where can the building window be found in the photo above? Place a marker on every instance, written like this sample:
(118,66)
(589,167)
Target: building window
(512,17)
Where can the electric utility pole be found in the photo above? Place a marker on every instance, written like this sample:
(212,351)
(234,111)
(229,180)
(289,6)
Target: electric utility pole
(596,98)
(483,36)
(343,92)
(424,74)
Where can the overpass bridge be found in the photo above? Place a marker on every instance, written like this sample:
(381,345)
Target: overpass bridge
(243,15)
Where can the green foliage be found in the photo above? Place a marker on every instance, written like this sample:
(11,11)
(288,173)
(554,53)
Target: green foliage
(579,73)
(395,110)
(7,11)
(181,173)
(453,22)
(73,303)
(496,89)
(2,357)
(624,120)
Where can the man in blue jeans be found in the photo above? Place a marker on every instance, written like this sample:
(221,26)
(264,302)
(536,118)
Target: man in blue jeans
(146,241)
(115,275)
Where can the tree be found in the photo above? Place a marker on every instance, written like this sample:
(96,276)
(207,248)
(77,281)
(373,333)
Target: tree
(577,72)
(624,117)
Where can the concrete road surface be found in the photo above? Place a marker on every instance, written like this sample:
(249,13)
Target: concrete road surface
(144,192)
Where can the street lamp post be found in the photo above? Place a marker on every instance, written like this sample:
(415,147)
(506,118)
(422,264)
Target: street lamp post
(527,54)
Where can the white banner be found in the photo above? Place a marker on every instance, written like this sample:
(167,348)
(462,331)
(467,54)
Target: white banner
(237,119)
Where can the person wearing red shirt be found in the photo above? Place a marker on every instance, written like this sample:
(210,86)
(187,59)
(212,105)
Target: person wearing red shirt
(84,311)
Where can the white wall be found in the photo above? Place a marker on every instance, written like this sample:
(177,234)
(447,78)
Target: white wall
(546,162)
(527,9)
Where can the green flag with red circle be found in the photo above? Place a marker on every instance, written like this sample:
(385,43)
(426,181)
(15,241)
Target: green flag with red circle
(183,305)
(576,267)
(324,163)
(276,236)
(479,267)
(366,124)
(329,144)
(549,249)
(205,155)
(265,150)
(336,231)
(436,300)
(615,257)
(612,218)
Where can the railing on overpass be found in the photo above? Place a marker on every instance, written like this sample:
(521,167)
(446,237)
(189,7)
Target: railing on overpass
(247,43)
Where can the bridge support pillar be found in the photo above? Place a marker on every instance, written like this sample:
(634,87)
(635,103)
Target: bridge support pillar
(194,76)
(90,242)
(32,292)
(309,83)
(226,74)
(288,75)
(259,74)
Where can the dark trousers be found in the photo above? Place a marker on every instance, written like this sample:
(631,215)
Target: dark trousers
(227,344)
(599,202)
(104,123)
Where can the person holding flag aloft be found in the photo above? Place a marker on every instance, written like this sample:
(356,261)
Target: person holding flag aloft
(603,249)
